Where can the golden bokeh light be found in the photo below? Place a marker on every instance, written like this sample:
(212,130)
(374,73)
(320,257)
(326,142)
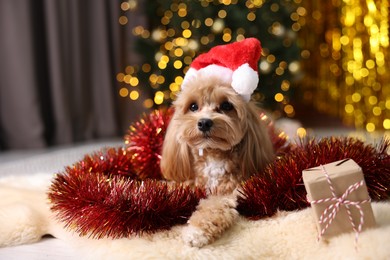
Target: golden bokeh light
(134,95)
(123,92)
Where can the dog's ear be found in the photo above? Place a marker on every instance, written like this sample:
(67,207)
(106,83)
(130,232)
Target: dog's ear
(257,150)
(176,156)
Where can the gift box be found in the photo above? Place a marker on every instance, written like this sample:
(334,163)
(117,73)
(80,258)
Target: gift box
(339,198)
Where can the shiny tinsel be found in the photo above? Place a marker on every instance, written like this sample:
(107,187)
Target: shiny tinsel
(144,141)
(108,161)
(99,205)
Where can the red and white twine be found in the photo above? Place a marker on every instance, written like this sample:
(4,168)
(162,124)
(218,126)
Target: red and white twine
(329,214)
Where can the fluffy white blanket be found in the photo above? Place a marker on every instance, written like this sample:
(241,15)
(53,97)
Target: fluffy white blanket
(25,217)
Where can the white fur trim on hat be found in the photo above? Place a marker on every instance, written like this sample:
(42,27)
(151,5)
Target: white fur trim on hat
(245,80)
(223,73)
(189,75)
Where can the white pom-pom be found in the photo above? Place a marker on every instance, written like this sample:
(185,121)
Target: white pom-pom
(245,80)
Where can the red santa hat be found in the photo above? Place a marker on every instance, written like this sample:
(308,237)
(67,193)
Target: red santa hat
(235,63)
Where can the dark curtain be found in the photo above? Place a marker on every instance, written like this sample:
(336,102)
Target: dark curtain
(58,66)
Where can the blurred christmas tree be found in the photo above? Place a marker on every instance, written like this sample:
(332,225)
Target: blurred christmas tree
(179,31)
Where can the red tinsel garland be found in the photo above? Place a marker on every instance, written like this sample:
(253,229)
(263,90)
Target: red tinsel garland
(118,192)
(98,205)
(144,141)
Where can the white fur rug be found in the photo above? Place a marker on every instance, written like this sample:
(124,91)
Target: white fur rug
(25,217)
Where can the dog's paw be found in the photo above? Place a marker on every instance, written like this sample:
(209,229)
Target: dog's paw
(194,236)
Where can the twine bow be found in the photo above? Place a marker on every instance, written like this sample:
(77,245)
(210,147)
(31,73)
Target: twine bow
(330,213)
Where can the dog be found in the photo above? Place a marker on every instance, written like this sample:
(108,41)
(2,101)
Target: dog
(215,140)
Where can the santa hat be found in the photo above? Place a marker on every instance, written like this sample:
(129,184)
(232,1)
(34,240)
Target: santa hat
(235,64)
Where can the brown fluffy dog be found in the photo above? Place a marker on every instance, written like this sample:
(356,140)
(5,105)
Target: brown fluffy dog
(215,140)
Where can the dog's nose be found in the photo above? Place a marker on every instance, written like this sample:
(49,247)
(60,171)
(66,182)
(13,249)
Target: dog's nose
(205,124)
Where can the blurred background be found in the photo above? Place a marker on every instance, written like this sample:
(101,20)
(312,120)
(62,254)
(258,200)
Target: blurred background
(74,71)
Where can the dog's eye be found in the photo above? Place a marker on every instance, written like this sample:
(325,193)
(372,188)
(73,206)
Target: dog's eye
(226,106)
(194,107)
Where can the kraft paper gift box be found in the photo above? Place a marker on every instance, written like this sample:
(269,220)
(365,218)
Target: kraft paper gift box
(343,174)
